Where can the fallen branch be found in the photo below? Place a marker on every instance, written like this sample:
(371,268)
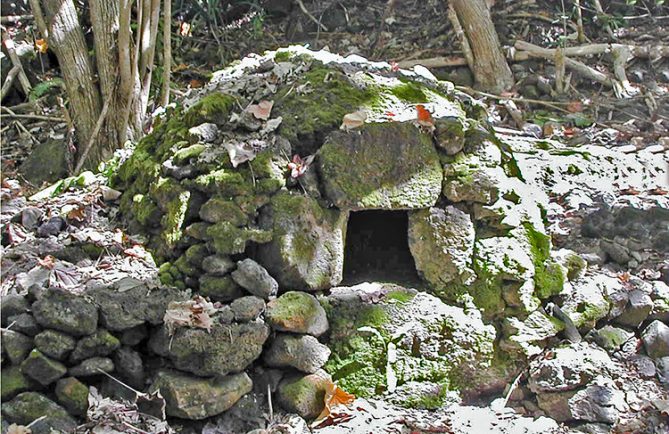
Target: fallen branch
(306,12)
(577,66)
(23,78)
(9,81)
(30,116)
(9,19)
(434,62)
(94,136)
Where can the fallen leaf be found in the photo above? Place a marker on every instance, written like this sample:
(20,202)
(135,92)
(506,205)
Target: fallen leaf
(136,251)
(41,46)
(575,107)
(185,29)
(624,277)
(77,214)
(394,66)
(424,117)
(334,397)
(299,166)
(353,120)
(196,84)
(192,313)
(18,429)
(109,194)
(261,110)
(239,152)
(48,262)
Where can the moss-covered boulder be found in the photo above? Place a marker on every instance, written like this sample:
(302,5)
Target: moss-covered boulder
(307,247)
(304,394)
(17,346)
(190,397)
(13,382)
(441,241)
(383,336)
(222,350)
(297,312)
(100,343)
(55,344)
(73,395)
(380,166)
(42,369)
(27,407)
(67,312)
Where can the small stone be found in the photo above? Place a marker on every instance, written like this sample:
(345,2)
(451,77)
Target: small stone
(304,395)
(73,395)
(611,338)
(24,323)
(205,133)
(297,312)
(639,306)
(655,339)
(66,312)
(29,217)
(101,343)
(16,346)
(42,369)
(93,366)
(219,288)
(663,370)
(598,403)
(247,308)
(55,344)
(130,367)
(644,365)
(480,186)
(304,353)
(13,382)
(27,407)
(616,252)
(218,265)
(195,398)
(255,279)
(12,305)
(450,134)
(53,226)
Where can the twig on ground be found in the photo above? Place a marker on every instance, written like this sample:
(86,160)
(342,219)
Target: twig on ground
(10,19)
(11,114)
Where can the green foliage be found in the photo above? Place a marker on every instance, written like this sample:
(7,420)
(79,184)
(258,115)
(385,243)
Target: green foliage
(45,87)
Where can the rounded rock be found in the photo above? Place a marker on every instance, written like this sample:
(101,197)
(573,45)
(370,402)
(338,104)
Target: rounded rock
(303,352)
(297,312)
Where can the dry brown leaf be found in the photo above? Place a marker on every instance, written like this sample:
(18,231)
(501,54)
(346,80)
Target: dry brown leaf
(136,251)
(18,429)
(353,120)
(334,397)
(192,313)
(261,110)
(48,262)
(239,152)
(77,214)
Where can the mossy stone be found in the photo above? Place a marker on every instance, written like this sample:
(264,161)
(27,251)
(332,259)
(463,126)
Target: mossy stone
(219,209)
(304,394)
(214,108)
(227,239)
(29,406)
(42,369)
(73,395)
(17,346)
(297,312)
(100,343)
(55,344)
(381,166)
(66,312)
(218,288)
(183,155)
(13,382)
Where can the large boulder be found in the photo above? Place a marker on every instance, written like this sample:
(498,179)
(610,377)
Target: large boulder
(190,397)
(307,247)
(224,349)
(383,336)
(381,166)
(122,310)
(303,352)
(442,244)
(304,394)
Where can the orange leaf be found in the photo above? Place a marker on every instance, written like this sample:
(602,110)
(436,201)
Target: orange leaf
(334,397)
(195,83)
(77,214)
(41,46)
(575,107)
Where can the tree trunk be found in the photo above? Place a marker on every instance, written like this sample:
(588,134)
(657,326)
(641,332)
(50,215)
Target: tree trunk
(66,38)
(105,22)
(490,69)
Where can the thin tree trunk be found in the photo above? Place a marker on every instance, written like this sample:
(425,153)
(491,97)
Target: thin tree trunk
(490,69)
(66,38)
(167,52)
